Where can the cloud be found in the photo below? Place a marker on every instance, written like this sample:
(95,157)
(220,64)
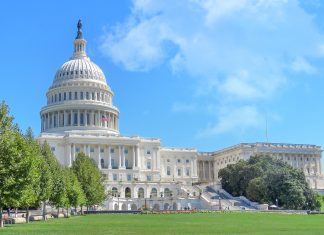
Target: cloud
(239,53)
(301,65)
(234,120)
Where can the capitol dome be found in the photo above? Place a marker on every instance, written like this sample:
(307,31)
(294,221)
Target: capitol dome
(79,98)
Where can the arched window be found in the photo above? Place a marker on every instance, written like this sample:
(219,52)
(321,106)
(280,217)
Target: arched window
(114,192)
(154,192)
(128,192)
(140,193)
(167,192)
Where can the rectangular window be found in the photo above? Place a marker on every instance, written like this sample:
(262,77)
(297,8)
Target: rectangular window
(113,163)
(70,95)
(76,95)
(98,96)
(148,152)
(126,151)
(187,161)
(87,95)
(81,95)
(102,150)
(187,172)
(149,178)
(129,177)
(93,96)
(112,150)
(75,119)
(115,177)
(77,150)
(148,165)
(60,96)
(64,95)
(55,97)
(91,150)
(179,172)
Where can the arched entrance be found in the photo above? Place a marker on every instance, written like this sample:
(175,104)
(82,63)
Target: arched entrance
(156,207)
(116,207)
(124,207)
(133,207)
(175,206)
(128,192)
(140,193)
(166,206)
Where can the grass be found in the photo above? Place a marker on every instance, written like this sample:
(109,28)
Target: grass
(213,223)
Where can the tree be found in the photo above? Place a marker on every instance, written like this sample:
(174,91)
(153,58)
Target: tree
(267,180)
(75,193)
(46,176)
(14,163)
(90,179)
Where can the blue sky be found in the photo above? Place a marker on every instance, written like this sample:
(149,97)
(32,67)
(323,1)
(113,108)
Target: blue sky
(202,74)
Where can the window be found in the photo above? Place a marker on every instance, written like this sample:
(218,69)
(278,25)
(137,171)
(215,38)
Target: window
(102,163)
(126,151)
(179,172)
(97,95)
(129,177)
(102,150)
(126,163)
(113,163)
(81,119)
(179,160)
(148,164)
(87,95)
(149,178)
(76,95)
(168,160)
(114,177)
(112,150)
(92,150)
(187,160)
(168,170)
(75,119)
(70,95)
(64,95)
(53,149)
(93,96)
(81,95)
(148,152)
(187,172)
(60,96)
(55,97)
(77,150)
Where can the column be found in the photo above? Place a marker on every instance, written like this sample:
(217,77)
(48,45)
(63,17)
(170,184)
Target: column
(153,160)
(98,157)
(70,155)
(52,117)
(85,149)
(120,156)
(85,118)
(203,170)
(73,152)
(158,159)
(72,118)
(91,118)
(191,167)
(100,119)
(123,157)
(88,150)
(138,160)
(48,121)
(109,157)
(134,157)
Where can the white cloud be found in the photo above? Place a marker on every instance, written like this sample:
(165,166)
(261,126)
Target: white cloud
(237,51)
(301,65)
(234,120)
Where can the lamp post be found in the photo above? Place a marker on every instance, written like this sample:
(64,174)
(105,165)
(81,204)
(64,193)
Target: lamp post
(277,202)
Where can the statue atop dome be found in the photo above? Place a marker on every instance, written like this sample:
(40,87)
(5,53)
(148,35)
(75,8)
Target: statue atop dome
(79,35)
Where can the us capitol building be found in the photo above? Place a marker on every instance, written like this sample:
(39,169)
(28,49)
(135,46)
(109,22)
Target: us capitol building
(80,117)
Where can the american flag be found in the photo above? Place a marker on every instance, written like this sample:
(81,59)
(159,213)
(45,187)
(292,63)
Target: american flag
(104,118)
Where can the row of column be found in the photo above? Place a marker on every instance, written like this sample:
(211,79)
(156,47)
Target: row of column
(206,171)
(79,118)
(71,148)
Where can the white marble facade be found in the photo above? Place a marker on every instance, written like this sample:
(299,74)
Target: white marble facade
(80,117)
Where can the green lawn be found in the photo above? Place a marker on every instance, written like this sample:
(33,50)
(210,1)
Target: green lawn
(215,223)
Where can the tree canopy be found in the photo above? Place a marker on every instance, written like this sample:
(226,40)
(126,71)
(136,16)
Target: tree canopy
(266,180)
